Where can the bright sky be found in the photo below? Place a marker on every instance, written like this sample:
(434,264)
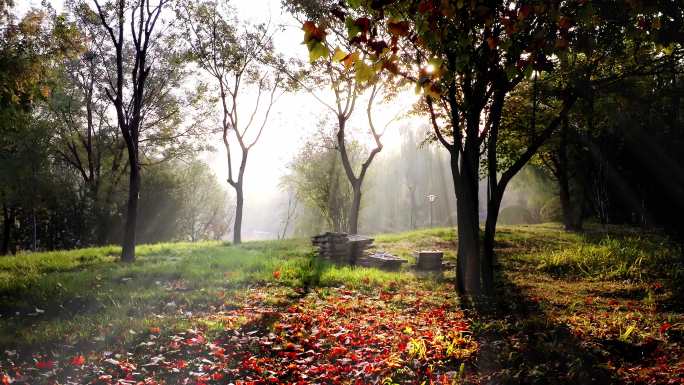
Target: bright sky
(294,117)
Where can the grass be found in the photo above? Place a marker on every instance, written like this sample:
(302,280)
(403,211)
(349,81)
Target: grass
(549,281)
(87,295)
(405,244)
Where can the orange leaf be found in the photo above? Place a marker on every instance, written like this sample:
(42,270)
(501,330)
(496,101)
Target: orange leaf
(78,360)
(492,42)
(398,28)
(276,274)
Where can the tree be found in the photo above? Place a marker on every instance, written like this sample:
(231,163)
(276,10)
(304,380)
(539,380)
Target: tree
(128,88)
(318,179)
(205,213)
(239,62)
(85,138)
(290,214)
(27,50)
(470,56)
(335,61)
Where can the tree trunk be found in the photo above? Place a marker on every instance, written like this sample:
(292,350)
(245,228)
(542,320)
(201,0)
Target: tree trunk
(460,262)
(412,202)
(468,245)
(493,206)
(128,247)
(566,204)
(237,228)
(7,219)
(355,208)
(466,186)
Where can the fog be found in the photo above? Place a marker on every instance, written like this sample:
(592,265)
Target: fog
(400,181)
(396,192)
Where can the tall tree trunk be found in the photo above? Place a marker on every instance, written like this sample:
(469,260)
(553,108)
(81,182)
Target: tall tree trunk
(7,219)
(355,208)
(493,206)
(240,200)
(564,179)
(566,203)
(412,202)
(128,246)
(495,191)
(460,262)
(468,244)
(469,220)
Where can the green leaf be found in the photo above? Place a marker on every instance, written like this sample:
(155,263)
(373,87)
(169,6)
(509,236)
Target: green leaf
(317,50)
(364,72)
(352,28)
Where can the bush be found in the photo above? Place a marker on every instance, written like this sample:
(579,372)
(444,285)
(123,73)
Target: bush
(515,215)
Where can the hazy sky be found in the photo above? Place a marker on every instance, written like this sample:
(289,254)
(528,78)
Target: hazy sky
(294,117)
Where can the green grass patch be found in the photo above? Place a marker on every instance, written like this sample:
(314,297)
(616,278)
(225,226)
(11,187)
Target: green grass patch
(68,297)
(618,256)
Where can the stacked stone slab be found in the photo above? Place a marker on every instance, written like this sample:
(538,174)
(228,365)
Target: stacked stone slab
(381,260)
(429,260)
(341,248)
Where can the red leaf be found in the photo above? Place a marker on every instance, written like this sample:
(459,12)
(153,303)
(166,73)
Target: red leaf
(45,364)
(425,6)
(524,12)
(180,364)
(78,360)
(363,23)
(665,327)
(337,351)
(276,274)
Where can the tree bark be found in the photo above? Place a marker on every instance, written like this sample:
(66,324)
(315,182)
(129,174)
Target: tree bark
(412,202)
(239,203)
(355,208)
(7,219)
(564,179)
(493,206)
(128,246)
(469,222)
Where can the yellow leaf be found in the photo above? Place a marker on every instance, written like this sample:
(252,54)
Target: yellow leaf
(339,55)
(351,59)
(45,91)
(317,51)
(364,72)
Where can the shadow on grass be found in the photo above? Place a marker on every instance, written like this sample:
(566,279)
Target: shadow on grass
(519,344)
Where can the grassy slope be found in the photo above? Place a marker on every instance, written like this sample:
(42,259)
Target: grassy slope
(549,279)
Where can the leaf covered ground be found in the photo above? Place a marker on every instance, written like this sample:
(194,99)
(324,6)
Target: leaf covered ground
(599,307)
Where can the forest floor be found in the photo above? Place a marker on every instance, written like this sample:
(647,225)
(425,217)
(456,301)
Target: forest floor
(570,308)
